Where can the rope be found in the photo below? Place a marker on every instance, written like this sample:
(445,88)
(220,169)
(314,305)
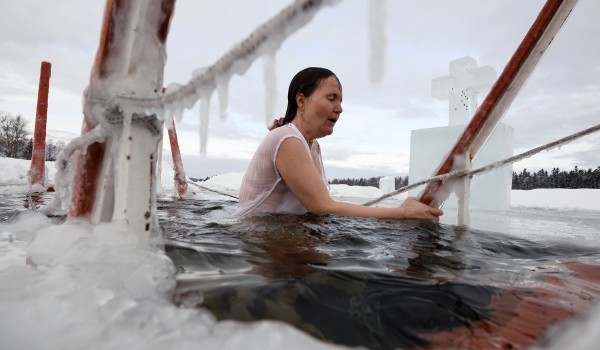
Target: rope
(460,173)
(489,167)
(211,190)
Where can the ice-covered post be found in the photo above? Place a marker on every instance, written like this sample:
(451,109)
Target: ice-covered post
(116,179)
(180,181)
(461,88)
(37,171)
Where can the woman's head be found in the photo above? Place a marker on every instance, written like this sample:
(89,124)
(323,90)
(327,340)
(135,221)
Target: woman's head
(305,82)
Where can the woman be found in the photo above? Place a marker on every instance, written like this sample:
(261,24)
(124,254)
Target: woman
(286,173)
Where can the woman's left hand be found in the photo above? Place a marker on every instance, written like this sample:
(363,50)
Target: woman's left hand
(417,210)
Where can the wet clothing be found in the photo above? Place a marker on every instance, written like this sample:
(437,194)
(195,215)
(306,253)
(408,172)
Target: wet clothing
(263,189)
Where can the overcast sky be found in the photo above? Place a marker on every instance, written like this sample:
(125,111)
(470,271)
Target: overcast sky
(373,135)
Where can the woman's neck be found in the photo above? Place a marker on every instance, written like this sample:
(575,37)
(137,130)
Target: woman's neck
(304,133)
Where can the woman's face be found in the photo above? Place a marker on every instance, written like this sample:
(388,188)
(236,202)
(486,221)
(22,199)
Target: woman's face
(321,110)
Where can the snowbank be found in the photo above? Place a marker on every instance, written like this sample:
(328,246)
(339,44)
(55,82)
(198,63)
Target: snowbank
(13,179)
(557,198)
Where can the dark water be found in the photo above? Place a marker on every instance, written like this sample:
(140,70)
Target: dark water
(379,284)
(376,283)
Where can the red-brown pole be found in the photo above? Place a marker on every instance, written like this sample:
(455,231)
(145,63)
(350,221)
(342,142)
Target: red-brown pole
(180,180)
(37,172)
(516,72)
(88,180)
(89,164)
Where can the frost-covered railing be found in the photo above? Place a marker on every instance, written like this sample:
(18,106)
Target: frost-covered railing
(115,178)
(264,41)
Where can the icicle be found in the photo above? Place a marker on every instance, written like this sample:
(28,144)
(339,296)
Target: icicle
(177,111)
(204,114)
(159,188)
(377,19)
(270,86)
(222,90)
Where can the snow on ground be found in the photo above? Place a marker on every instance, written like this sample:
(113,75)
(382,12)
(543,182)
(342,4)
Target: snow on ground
(557,198)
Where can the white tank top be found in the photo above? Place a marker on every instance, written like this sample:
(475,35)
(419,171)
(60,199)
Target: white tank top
(263,189)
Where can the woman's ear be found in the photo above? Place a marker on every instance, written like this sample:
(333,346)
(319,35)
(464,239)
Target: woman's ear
(300,100)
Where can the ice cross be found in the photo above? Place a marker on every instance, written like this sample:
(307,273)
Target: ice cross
(461,88)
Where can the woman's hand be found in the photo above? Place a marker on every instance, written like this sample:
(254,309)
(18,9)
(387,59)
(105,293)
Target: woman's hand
(413,209)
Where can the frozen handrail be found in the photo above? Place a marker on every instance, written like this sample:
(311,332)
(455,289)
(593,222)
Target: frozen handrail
(489,167)
(265,39)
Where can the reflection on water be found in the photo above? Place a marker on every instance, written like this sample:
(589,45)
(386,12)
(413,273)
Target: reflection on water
(380,284)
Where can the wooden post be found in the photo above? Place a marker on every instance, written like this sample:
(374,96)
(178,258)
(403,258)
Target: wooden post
(37,171)
(509,83)
(180,180)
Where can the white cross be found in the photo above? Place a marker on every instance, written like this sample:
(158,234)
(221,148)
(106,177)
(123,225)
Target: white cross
(461,88)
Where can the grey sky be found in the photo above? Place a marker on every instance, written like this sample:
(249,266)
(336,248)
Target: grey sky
(373,135)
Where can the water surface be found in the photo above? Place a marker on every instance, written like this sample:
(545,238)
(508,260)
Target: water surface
(386,284)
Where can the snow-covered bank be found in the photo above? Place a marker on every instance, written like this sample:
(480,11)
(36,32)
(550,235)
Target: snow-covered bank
(557,198)
(13,179)
(560,199)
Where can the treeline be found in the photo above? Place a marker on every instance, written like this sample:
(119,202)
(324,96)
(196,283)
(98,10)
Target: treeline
(15,141)
(576,178)
(373,181)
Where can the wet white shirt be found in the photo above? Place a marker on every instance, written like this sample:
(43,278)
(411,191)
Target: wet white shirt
(263,189)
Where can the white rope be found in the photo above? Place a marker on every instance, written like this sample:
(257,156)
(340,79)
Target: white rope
(460,173)
(212,190)
(489,167)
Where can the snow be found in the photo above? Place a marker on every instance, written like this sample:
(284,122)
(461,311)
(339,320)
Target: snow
(562,199)
(76,285)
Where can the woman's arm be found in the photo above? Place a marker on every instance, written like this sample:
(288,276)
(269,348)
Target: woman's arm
(303,179)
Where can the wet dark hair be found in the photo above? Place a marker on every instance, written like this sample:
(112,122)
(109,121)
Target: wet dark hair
(305,82)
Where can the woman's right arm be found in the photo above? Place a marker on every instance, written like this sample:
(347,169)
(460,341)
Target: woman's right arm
(303,179)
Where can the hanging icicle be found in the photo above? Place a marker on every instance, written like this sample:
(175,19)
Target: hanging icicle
(204,117)
(377,42)
(270,86)
(223,92)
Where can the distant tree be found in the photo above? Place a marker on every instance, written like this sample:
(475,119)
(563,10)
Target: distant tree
(53,148)
(576,178)
(401,182)
(28,150)
(13,135)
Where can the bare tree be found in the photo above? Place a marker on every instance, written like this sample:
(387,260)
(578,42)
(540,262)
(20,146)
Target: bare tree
(13,135)
(53,148)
